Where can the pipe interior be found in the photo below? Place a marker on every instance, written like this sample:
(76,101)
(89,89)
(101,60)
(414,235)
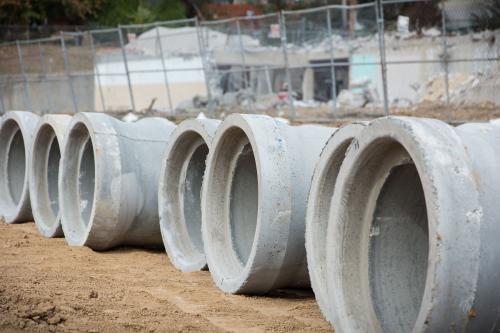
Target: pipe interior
(244,203)
(399,246)
(86,181)
(54,156)
(77,183)
(16,166)
(192,195)
(380,247)
(231,205)
(46,159)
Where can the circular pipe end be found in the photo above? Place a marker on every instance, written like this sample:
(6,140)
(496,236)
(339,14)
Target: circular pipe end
(44,173)
(318,208)
(16,131)
(77,182)
(244,254)
(179,195)
(392,225)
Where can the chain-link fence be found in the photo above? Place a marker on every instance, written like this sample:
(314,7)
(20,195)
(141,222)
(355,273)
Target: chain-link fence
(383,57)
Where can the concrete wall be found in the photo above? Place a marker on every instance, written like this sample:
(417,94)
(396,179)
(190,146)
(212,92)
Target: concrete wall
(148,82)
(49,94)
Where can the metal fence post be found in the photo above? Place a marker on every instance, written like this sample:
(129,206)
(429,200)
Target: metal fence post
(332,60)
(44,76)
(2,106)
(243,59)
(291,107)
(204,62)
(268,80)
(127,72)
(97,74)
(164,68)
(27,98)
(68,74)
(242,52)
(379,10)
(445,54)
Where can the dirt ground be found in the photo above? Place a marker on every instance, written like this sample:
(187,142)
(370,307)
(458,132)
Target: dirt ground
(47,286)
(453,113)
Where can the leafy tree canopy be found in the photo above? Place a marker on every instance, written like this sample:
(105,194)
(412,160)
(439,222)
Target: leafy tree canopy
(117,12)
(95,12)
(22,12)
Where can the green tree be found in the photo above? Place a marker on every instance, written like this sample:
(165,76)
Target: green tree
(23,12)
(117,12)
(97,12)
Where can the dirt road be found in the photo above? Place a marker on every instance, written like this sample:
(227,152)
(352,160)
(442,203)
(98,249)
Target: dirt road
(47,286)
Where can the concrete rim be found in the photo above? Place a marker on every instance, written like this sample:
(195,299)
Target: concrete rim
(318,207)
(443,168)
(82,129)
(13,122)
(45,135)
(227,271)
(185,140)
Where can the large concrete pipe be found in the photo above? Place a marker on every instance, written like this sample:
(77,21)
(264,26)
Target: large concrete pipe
(254,200)
(16,131)
(108,181)
(412,242)
(44,172)
(179,193)
(318,206)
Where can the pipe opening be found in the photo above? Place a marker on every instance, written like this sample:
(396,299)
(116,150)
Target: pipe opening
(180,200)
(78,182)
(16,166)
(45,170)
(230,215)
(192,195)
(244,203)
(399,246)
(86,181)
(53,175)
(380,246)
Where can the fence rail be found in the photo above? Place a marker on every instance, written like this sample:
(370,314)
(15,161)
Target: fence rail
(331,59)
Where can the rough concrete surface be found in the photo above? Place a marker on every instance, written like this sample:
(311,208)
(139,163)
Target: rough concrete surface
(318,207)
(47,286)
(16,132)
(108,181)
(410,245)
(179,191)
(44,172)
(254,197)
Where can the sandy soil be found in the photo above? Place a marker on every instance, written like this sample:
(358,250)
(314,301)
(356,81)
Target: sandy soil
(47,286)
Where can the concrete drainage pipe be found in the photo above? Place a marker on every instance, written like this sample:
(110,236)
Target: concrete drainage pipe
(16,131)
(179,193)
(108,181)
(412,242)
(253,202)
(44,171)
(318,207)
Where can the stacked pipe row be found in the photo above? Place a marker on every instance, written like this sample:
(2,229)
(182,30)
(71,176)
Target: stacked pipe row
(394,223)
